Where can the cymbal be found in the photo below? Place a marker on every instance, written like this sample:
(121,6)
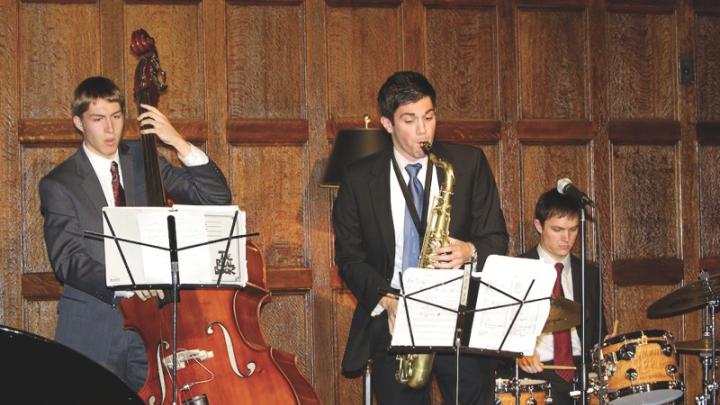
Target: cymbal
(686,299)
(703,345)
(564,314)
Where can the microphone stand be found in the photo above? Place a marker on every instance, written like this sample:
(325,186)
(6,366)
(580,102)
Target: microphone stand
(583,322)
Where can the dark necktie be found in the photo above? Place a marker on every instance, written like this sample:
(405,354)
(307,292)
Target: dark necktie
(118,191)
(411,237)
(561,339)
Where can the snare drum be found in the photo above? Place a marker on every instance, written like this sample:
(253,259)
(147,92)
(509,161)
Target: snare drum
(640,368)
(532,392)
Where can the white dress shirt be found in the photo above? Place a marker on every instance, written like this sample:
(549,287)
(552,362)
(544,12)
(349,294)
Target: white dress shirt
(544,346)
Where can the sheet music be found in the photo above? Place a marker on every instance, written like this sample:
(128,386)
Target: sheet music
(194,225)
(513,276)
(431,326)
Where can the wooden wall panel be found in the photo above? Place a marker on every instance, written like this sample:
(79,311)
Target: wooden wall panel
(646,202)
(181,52)
(278,172)
(641,66)
(462,62)
(364,48)
(541,167)
(266,61)
(10,179)
(709,201)
(552,62)
(286,325)
(40,316)
(632,316)
(55,55)
(707,67)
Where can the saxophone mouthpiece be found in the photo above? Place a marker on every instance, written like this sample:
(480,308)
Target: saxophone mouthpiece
(426,147)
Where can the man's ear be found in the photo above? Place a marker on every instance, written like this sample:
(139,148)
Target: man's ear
(387,124)
(538,225)
(78,123)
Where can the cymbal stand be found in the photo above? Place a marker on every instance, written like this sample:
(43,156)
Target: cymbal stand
(710,385)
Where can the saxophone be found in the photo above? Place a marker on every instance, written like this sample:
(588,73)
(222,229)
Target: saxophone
(414,369)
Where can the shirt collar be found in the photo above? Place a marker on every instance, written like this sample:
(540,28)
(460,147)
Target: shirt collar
(402,162)
(98,162)
(545,257)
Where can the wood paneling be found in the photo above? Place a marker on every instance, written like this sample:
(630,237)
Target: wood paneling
(707,67)
(266,59)
(641,64)
(552,53)
(462,62)
(645,202)
(55,59)
(10,179)
(363,50)
(709,220)
(279,172)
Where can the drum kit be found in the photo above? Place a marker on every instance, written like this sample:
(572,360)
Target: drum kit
(639,367)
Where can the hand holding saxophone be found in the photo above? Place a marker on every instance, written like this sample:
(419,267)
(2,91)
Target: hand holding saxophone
(454,255)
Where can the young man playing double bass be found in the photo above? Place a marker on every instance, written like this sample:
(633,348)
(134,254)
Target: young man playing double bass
(375,238)
(106,171)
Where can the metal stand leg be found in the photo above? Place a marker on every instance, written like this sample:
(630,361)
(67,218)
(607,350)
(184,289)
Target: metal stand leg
(710,385)
(367,384)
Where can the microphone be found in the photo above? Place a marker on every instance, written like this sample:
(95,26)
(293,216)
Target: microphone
(565,187)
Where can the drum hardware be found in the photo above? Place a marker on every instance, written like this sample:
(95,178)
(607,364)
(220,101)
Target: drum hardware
(522,391)
(703,293)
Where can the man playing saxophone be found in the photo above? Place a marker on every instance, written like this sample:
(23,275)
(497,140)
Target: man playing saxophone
(379,218)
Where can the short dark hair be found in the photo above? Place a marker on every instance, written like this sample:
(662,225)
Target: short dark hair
(402,88)
(553,204)
(94,88)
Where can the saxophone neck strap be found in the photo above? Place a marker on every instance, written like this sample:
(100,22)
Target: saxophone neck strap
(419,221)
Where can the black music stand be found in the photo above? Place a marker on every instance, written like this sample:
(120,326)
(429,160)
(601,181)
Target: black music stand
(173,250)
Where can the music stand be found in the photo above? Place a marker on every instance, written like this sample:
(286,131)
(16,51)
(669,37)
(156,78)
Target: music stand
(173,250)
(520,298)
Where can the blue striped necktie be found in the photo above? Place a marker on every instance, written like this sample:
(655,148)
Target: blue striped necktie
(411,237)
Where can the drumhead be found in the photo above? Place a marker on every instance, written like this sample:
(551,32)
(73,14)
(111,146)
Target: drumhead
(647,394)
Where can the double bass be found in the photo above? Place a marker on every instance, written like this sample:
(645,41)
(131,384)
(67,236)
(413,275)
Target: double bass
(222,357)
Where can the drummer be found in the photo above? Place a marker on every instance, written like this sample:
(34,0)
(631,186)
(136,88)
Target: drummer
(558,223)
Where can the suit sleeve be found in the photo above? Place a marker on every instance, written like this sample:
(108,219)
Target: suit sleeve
(489,233)
(200,185)
(364,280)
(66,246)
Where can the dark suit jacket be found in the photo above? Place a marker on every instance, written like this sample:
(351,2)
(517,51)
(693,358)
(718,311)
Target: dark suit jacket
(592,304)
(71,202)
(365,238)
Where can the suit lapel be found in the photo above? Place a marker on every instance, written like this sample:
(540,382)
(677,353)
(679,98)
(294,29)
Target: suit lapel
(128,174)
(379,192)
(577,286)
(90,185)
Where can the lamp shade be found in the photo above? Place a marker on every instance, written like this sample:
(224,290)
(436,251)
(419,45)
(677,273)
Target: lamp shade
(350,145)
